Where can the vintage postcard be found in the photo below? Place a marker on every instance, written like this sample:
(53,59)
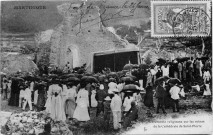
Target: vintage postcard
(106,67)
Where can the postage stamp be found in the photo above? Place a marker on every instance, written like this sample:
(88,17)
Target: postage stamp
(180,18)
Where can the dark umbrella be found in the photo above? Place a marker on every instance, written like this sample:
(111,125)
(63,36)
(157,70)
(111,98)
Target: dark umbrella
(135,66)
(161,79)
(161,60)
(204,58)
(183,59)
(131,76)
(113,74)
(31,78)
(96,75)
(18,78)
(112,80)
(174,81)
(102,77)
(78,75)
(67,76)
(143,66)
(88,74)
(128,67)
(53,76)
(125,79)
(73,79)
(130,88)
(120,73)
(89,79)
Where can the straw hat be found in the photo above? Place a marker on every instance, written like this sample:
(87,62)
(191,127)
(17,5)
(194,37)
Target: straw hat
(107,98)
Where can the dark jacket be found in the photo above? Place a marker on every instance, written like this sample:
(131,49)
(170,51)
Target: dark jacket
(100,95)
(160,92)
(148,98)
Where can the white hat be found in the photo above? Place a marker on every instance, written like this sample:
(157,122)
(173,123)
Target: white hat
(101,87)
(107,98)
(115,90)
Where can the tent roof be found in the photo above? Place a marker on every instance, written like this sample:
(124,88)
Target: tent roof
(123,50)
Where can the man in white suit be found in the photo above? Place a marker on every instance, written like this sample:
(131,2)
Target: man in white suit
(115,105)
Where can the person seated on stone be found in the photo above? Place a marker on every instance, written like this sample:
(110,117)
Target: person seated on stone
(131,115)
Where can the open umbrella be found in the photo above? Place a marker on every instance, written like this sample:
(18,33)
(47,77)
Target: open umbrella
(18,78)
(30,78)
(203,58)
(102,77)
(174,81)
(88,74)
(89,79)
(112,80)
(130,88)
(161,79)
(53,76)
(161,60)
(135,66)
(182,59)
(112,74)
(67,76)
(125,79)
(143,66)
(128,67)
(133,77)
(73,79)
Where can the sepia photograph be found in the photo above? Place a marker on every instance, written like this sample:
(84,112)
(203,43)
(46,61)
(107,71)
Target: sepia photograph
(106,67)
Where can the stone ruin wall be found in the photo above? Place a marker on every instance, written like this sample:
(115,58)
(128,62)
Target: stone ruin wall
(93,38)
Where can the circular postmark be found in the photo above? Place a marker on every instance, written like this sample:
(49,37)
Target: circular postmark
(191,25)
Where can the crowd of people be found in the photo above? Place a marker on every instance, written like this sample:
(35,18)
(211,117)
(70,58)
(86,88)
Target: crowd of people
(74,99)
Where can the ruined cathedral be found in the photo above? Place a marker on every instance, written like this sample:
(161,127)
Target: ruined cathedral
(80,34)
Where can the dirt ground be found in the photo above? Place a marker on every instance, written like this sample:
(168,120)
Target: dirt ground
(190,105)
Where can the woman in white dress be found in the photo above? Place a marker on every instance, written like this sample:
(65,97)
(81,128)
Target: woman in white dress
(81,112)
(48,101)
(207,91)
(64,93)
(94,102)
(55,105)
(70,100)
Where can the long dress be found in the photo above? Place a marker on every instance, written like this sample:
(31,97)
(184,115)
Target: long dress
(56,104)
(41,99)
(148,98)
(15,91)
(207,91)
(94,102)
(64,94)
(48,101)
(70,102)
(81,112)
